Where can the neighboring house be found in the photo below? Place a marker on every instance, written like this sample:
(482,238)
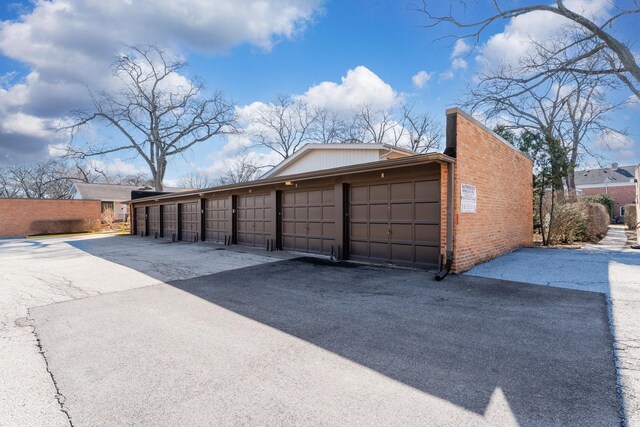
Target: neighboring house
(112,196)
(313,157)
(617,182)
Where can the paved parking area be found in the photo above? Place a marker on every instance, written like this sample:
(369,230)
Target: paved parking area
(38,272)
(132,340)
(607,267)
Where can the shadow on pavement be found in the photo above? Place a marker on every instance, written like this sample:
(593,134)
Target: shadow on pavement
(548,349)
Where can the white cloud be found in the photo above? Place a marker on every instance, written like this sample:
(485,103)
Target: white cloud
(459,64)
(421,78)
(69,45)
(614,141)
(460,48)
(446,75)
(359,87)
(117,166)
(538,26)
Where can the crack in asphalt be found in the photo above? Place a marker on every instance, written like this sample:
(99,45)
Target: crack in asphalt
(60,398)
(620,392)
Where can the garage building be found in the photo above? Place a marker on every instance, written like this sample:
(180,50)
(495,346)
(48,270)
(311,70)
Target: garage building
(394,210)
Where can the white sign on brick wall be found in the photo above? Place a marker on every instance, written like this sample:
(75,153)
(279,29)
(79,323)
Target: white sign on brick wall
(468,198)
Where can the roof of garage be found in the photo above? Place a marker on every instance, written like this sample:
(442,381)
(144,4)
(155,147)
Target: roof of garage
(414,160)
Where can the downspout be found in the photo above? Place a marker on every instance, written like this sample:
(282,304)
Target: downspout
(451,150)
(446,268)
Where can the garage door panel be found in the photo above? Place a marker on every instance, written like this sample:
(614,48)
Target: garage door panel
(426,253)
(300,198)
(428,190)
(300,214)
(359,230)
(359,194)
(288,227)
(329,229)
(402,232)
(379,193)
(359,249)
(314,229)
(314,213)
(314,245)
(328,196)
(379,250)
(329,213)
(359,213)
(378,231)
(402,253)
(402,191)
(428,211)
(401,211)
(427,232)
(379,212)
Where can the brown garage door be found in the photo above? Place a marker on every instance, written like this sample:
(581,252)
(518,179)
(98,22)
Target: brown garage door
(189,221)
(169,220)
(154,220)
(217,213)
(395,222)
(253,219)
(308,220)
(141,219)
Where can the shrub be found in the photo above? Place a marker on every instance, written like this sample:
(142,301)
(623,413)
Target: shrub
(92,225)
(605,200)
(598,221)
(579,222)
(108,217)
(631,216)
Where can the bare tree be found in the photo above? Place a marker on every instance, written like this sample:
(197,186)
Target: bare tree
(424,132)
(158,112)
(240,169)
(44,180)
(329,128)
(196,180)
(284,125)
(590,40)
(379,126)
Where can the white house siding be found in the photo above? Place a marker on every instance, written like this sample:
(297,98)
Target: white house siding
(327,159)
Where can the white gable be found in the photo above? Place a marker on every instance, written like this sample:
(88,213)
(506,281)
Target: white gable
(313,157)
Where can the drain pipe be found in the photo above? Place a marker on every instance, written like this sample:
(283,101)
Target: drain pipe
(446,268)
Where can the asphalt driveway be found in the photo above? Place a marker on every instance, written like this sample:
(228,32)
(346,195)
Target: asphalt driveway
(306,342)
(608,267)
(129,331)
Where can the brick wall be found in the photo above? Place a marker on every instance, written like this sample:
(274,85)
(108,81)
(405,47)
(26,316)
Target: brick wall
(620,195)
(502,175)
(24,217)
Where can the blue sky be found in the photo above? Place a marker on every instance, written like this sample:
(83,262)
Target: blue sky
(50,51)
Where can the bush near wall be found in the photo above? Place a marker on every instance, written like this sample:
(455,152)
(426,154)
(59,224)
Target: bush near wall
(631,216)
(604,200)
(579,222)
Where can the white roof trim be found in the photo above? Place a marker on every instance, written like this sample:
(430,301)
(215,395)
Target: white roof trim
(346,146)
(629,183)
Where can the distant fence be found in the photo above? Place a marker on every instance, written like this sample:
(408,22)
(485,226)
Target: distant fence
(24,217)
